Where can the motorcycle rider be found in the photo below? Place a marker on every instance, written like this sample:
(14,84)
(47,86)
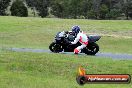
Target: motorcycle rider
(81,37)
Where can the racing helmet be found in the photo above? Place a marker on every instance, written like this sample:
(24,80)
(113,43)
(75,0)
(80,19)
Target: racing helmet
(75,29)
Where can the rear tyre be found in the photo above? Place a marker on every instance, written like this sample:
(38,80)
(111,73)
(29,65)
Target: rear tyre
(91,49)
(56,48)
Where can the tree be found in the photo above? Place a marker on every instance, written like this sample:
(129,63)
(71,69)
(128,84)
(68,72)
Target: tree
(103,11)
(113,14)
(3,5)
(19,9)
(42,7)
(96,7)
(86,8)
(74,8)
(32,4)
(93,9)
(128,8)
(57,9)
(91,14)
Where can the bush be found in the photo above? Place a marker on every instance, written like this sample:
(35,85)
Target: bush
(19,9)
(113,14)
(57,10)
(91,14)
(103,11)
(42,7)
(3,6)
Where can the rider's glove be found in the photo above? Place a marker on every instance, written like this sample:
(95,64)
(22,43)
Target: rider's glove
(72,42)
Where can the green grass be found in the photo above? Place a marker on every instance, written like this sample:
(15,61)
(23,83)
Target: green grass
(41,70)
(39,33)
(115,45)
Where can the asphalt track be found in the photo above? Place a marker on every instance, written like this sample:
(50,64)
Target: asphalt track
(100,54)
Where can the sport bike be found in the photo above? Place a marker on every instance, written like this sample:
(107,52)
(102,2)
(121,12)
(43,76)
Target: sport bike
(62,43)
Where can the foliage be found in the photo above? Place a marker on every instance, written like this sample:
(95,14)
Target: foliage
(93,9)
(40,5)
(19,9)
(103,11)
(113,14)
(3,6)
(130,9)
(91,14)
(57,9)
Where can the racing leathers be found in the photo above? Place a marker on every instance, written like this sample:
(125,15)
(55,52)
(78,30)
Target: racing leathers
(83,39)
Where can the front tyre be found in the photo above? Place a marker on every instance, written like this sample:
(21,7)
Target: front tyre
(56,48)
(91,49)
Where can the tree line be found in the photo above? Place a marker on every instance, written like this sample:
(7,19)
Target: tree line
(83,9)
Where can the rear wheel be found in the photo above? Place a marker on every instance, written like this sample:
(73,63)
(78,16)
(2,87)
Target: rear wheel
(91,49)
(56,48)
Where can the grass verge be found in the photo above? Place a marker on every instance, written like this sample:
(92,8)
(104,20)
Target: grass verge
(42,70)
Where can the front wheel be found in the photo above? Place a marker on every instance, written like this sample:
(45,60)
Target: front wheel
(91,49)
(56,48)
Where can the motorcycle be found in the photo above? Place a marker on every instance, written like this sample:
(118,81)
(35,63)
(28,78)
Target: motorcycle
(62,43)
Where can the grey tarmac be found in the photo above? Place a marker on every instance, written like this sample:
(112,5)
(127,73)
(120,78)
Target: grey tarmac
(100,54)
